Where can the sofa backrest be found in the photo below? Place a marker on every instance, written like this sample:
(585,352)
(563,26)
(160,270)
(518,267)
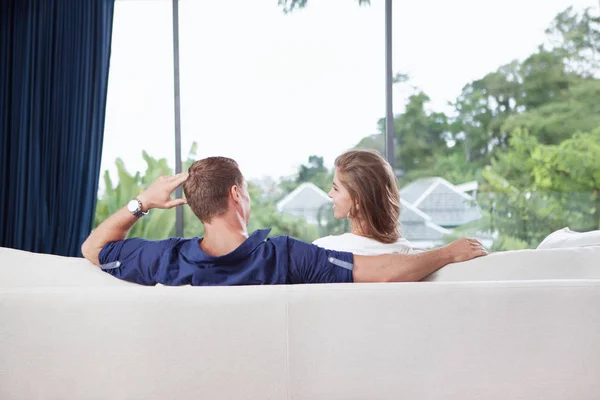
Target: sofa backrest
(436,340)
(567,263)
(25,269)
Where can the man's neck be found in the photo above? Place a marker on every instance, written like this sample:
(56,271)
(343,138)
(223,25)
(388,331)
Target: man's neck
(223,235)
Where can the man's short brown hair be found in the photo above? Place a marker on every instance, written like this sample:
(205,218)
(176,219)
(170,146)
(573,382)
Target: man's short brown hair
(208,184)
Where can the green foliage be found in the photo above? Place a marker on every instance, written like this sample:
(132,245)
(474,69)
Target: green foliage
(545,79)
(158,224)
(576,110)
(420,135)
(314,172)
(452,166)
(519,214)
(576,37)
(374,142)
(505,242)
(533,189)
(481,110)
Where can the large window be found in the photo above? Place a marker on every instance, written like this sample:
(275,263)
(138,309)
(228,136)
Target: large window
(497,118)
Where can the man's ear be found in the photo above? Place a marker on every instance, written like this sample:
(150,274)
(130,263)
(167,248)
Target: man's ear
(234,191)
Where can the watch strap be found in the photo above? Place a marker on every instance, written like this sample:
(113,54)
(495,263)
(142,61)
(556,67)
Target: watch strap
(140,210)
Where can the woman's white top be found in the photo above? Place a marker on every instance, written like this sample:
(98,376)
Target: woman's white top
(363,246)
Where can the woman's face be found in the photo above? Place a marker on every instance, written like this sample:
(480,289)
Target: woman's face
(340,196)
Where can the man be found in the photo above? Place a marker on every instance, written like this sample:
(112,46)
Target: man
(217,193)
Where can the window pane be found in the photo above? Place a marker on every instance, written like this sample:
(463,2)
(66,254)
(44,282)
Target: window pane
(270,90)
(139,112)
(487,129)
(493,108)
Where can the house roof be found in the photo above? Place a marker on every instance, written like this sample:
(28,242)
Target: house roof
(427,231)
(413,191)
(411,214)
(415,225)
(305,201)
(438,198)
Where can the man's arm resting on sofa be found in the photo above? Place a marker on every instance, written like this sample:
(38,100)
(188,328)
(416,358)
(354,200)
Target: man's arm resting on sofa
(115,228)
(414,267)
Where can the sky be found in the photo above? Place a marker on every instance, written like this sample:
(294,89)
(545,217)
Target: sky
(270,89)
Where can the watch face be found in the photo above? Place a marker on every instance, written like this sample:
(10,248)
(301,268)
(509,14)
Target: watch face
(132,205)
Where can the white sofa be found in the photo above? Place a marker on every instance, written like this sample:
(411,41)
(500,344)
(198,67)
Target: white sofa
(513,325)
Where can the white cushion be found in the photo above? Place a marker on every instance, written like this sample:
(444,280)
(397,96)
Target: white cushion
(565,237)
(568,263)
(25,269)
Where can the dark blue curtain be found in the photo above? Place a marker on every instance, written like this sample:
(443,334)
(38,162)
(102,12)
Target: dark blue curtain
(54,59)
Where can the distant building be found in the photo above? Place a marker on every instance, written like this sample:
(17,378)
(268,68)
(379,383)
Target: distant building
(418,227)
(446,204)
(305,201)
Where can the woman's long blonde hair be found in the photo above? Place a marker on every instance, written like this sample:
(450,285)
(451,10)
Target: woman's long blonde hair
(371,183)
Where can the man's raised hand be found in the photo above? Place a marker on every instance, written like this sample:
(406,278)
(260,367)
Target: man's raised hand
(158,194)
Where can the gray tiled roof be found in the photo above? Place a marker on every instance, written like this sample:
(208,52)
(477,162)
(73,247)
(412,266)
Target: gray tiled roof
(410,214)
(305,201)
(415,225)
(441,200)
(447,207)
(414,190)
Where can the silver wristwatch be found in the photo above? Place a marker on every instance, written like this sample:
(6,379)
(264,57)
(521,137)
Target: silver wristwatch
(136,208)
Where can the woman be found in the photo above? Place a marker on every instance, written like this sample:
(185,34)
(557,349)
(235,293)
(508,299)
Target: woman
(365,191)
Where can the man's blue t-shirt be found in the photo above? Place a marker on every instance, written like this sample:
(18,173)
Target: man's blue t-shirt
(177,261)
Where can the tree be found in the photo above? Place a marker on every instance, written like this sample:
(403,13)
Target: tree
(314,168)
(533,189)
(545,78)
(482,108)
(421,136)
(314,171)
(159,224)
(576,38)
(577,109)
(573,168)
